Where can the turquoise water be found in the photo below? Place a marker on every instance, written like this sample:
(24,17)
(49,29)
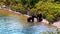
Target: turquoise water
(38,29)
(10,25)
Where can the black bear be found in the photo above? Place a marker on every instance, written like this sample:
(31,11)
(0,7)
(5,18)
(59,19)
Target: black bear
(31,19)
(39,17)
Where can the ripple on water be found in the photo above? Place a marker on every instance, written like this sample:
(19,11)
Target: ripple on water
(37,29)
(9,25)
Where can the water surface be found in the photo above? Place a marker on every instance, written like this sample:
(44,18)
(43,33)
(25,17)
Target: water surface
(11,25)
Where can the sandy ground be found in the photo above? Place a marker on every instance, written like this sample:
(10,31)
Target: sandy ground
(57,24)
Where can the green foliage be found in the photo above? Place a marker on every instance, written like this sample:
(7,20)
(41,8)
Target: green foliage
(49,8)
(33,11)
(50,18)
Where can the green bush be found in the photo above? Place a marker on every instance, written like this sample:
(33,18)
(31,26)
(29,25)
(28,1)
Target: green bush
(49,8)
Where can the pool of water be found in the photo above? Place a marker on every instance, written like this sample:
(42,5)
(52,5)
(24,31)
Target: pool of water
(10,25)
